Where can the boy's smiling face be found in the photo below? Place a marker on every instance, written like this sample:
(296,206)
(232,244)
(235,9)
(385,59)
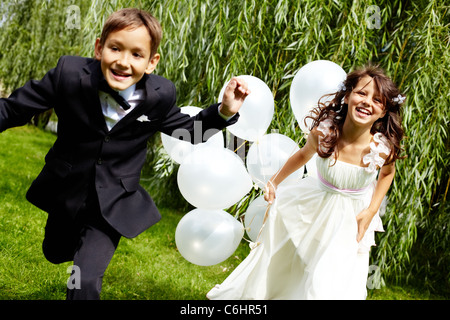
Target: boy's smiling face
(125,57)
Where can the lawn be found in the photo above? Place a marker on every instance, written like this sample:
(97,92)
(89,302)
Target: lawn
(148,267)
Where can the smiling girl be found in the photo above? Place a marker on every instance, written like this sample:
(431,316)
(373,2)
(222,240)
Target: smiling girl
(316,239)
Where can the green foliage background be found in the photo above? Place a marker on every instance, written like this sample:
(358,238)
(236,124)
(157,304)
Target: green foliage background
(207,42)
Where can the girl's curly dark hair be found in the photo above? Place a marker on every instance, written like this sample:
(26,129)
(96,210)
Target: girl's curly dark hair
(336,110)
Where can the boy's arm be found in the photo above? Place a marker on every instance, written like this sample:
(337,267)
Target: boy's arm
(201,127)
(33,98)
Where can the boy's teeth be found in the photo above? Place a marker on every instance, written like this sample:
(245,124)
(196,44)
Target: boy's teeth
(120,74)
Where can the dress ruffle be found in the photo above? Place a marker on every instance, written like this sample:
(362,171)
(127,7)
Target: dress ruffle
(373,158)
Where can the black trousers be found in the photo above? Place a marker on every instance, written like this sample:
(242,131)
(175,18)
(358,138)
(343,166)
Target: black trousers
(89,241)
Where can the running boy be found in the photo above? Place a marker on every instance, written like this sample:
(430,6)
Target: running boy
(107,109)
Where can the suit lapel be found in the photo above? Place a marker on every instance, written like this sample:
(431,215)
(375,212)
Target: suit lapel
(89,84)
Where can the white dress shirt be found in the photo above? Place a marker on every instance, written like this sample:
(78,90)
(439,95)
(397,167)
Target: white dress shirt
(112,111)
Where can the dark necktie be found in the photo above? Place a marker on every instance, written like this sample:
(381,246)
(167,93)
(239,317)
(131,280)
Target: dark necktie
(103,86)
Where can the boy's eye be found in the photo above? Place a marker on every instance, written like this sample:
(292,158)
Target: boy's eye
(137,55)
(115,49)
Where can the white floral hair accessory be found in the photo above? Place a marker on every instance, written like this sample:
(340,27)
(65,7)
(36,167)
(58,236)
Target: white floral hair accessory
(342,87)
(338,117)
(399,99)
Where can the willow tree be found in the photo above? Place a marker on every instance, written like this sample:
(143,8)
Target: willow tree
(206,42)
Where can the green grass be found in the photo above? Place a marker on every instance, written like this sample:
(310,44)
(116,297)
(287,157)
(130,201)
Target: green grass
(148,267)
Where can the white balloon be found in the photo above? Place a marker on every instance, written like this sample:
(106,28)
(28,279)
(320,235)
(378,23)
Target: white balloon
(268,154)
(178,149)
(213,178)
(208,237)
(310,83)
(254,217)
(256,112)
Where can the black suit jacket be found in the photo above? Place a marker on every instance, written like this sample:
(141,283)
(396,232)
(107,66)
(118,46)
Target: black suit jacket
(86,155)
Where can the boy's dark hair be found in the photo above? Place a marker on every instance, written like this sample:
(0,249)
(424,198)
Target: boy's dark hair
(133,18)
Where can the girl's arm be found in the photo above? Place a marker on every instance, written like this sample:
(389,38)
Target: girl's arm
(384,182)
(296,161)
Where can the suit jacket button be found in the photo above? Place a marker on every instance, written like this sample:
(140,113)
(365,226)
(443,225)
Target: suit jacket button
(99,161)
(107,139)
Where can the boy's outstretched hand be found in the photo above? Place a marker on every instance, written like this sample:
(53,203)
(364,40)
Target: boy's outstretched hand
(235,93)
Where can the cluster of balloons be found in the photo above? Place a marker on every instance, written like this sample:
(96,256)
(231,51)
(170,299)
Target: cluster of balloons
(213,178)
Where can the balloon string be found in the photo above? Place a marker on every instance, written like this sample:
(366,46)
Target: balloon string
(243,143)
(255,244)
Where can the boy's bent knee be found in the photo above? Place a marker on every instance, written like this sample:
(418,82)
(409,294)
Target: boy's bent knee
(55,255)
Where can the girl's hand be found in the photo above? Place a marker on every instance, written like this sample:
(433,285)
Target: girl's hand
(269,192)
(363,220)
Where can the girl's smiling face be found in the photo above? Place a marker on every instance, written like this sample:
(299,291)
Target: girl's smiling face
(125,57)
(365,104)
